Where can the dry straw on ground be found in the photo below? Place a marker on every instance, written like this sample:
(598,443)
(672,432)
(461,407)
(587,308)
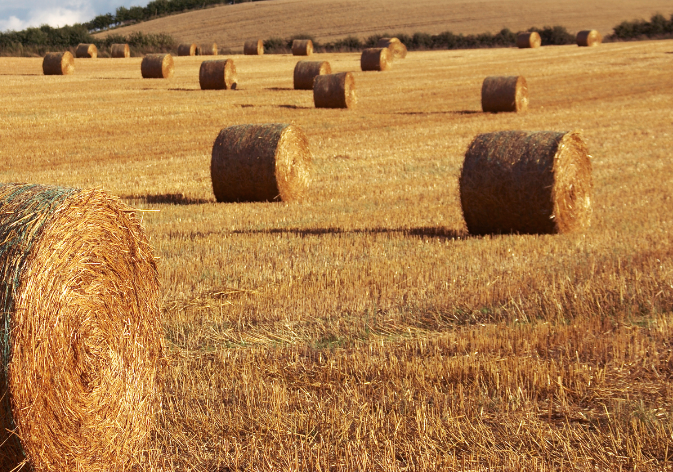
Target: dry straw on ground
(120,51)
(157,66)
(81,336)
(526,182)
(218,75)
(396,47)
(504,94)
(334,91)
(58,63)
(302,47)
(188,50)
(86,51)
(589,38)
(208,49)
(528,40)
(254,47)
(306,71)
(264,162)
(377,59)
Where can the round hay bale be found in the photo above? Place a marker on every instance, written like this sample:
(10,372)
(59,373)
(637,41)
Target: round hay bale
(187,49)
(268,162)
(157,66)
(376,59)
(218,75)
(306,71)
(526,182)
(120,51)
(397,49)
(254,47)
(86,51)
(208,49)
(58,63)
(528,40)
(589,38)
(81,335)
(504,94)
(334,91)
(302,47)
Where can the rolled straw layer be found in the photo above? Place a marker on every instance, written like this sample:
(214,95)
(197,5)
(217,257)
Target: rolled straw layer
(157,66)
(85,51)
(120,51)
(306,71)
(378,59)
(260,163)
(302,47)
(397,49)
(218,75)
(254,47)
(526,182)
(187,49)
(334,91)
(504,94)
(58,63)
(528,40)
(80,334)
(588,38)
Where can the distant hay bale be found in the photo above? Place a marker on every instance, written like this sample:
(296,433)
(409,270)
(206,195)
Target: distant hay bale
(268,162)
(218,75)
(254,47)
(58,63)
(397,49)
(504,94)
(187,50)
(375,59)
(81,343)
(589,38)
(209,49)
(302,47)
(528,40)
(334,91)
(306,71)
(86,51)
(157,66)
(526,182)
(120,51)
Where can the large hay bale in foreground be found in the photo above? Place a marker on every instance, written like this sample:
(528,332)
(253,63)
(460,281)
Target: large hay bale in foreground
(334,91)
(378,59)
(302,47)
(504,94)
(254,47)
(209,49)
(306,71)
(526,182)
(528,40)
(397,49)
(218,75)
(81,333)
(157,66)
(120,51)
(252,163)
(58,63)
(187,49)
(589,38)
(86,51)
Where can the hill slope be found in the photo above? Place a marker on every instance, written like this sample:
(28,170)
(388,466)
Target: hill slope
(231,25)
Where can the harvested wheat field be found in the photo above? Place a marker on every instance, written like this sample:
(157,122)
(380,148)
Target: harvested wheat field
(364,328)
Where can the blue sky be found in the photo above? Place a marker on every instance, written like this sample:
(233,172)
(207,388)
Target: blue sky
(17,15)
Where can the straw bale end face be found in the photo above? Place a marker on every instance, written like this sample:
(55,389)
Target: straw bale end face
(302,47)
(120,51)
(504,94)
(334,91)
(526,182)
(376,59)
(528,40)
(157,66)
(218,75)
(588,38)
(58,63)
(397,49)
(306,71)
(254,163)
(254,47)
(85,51)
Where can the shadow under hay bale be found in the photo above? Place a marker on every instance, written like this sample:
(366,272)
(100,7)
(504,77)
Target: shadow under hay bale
(528,40)
(209,49)
(187,49)
(588,38)
(218,75)
(86,51)
(334,91)
(81,332)
(526,182)
(253,163)
(397,49)
(302,47)
(504,94)
(120,51)
(254,47)
(157,66)
(375,59)
(58,63)
(306,71)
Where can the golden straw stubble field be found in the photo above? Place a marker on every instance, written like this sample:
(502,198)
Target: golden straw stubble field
(364,329)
